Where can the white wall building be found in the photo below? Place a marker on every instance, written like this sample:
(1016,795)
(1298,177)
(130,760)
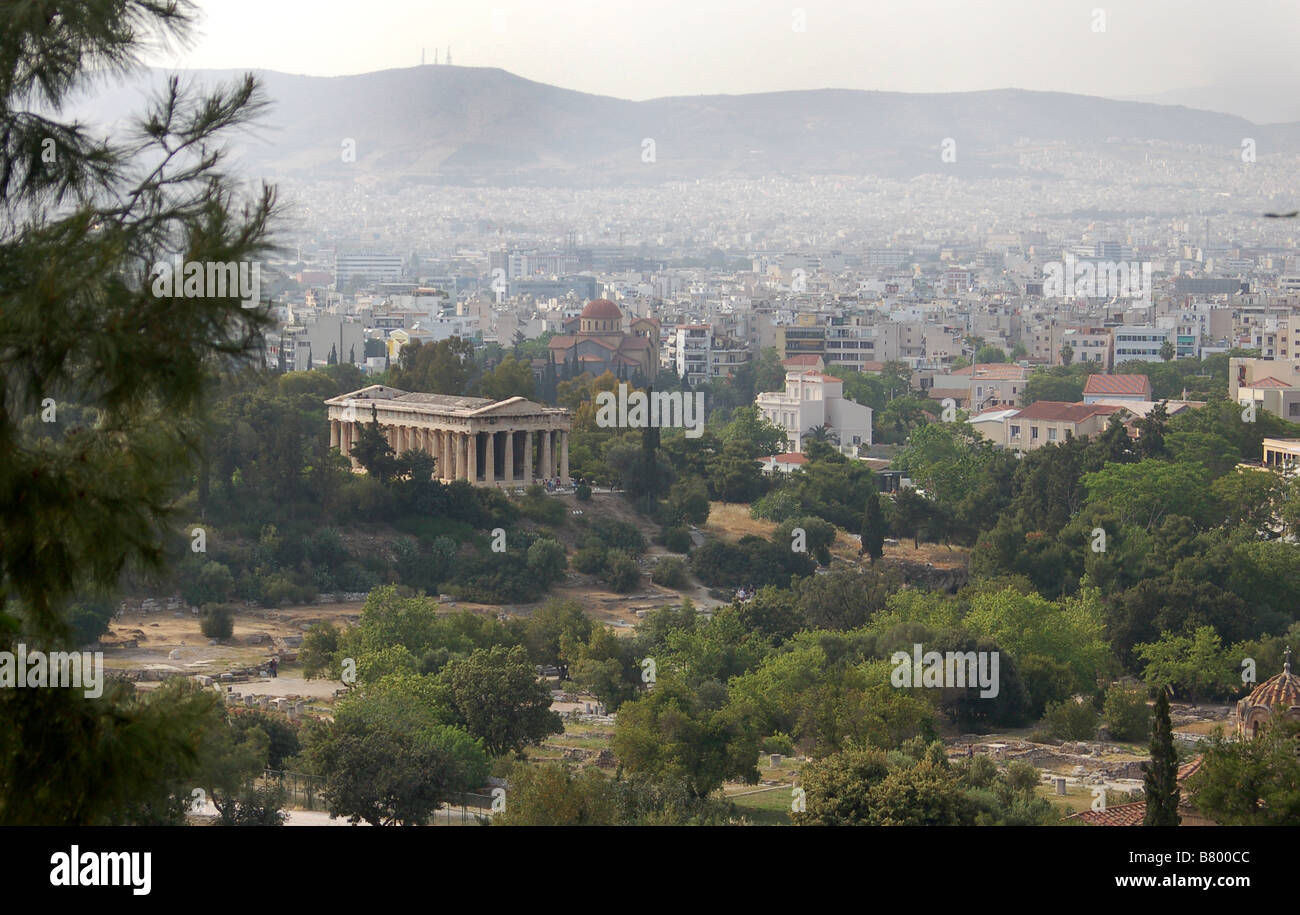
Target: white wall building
(812,399)
(1140,342)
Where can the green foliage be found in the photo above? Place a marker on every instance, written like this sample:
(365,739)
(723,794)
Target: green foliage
(1254,782)
(217,621)
(388,759)
(537,506)
(1160,775)
(670,572)
(874,527)
(582,492)
(1071,720)
(1197,666)
(445,367)
(496,696)
(511,378)
(1126,714)
(670,733)
(676,539)
(621,572)
(859,787)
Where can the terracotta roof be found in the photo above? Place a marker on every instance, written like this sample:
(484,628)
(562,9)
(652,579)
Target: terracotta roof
(817,376)
(1117,815)
(1282,689)
(802,359)
(1113,385)
(601,308)
(1133,814)
(1269,382)
(1057,411)
(789,457)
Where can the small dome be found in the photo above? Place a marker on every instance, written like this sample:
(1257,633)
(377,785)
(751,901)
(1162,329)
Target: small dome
(602,308)
(1282,689)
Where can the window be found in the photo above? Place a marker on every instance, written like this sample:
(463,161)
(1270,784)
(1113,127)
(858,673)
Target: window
(1015,432)
(1051,435)
(1033,433)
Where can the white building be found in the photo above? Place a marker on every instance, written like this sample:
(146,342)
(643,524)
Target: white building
(1141,342)
(812,399)
(374,268)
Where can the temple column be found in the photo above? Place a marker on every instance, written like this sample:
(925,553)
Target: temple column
(489,459)
(508,462)
(528,457)
(546,455)
(564,458)
(462,456)
(346,434)
(334,433)
(471,456)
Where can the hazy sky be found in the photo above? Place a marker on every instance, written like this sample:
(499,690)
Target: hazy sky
(646,48)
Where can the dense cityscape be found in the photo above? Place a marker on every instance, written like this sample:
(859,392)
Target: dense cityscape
(399,448)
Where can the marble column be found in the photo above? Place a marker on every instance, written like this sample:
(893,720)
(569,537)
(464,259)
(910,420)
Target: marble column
(545,468)
(564,458)
(462,456)
(528,457)
(508,462)
(471,457)
(489,459)
(334,433)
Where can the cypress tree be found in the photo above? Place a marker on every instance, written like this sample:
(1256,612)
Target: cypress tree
(873,528)
(1160,776)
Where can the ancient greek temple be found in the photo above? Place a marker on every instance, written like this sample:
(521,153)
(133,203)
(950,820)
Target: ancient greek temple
(485,442)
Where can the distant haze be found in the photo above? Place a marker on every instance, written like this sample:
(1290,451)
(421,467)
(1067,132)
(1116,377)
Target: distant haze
(484,124)
(1243,54)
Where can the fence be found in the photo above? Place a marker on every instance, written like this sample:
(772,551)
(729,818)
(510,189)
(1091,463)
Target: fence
(304,791)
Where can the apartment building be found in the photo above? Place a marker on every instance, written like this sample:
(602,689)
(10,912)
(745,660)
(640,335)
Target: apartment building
(810,400)
(1087,344)
(1046,422)
(1142,342)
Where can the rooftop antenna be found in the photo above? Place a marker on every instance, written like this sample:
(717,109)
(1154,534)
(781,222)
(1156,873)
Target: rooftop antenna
(449,55)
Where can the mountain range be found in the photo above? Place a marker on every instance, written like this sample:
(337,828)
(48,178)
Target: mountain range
(448,124)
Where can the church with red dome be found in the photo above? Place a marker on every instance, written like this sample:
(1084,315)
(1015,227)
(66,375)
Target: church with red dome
(599,344)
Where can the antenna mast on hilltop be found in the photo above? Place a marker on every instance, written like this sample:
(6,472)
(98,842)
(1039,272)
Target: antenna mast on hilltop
(449,55)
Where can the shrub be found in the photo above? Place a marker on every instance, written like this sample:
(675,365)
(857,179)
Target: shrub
(671,573)
(778,743)
(582,493)
(1126,713)
(217,621)
(537,506)
(1070,720)
(619,535)
(622,574)
(590,560)
(676,539)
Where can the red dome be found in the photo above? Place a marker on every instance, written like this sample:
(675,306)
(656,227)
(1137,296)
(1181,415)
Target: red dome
(602,308)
